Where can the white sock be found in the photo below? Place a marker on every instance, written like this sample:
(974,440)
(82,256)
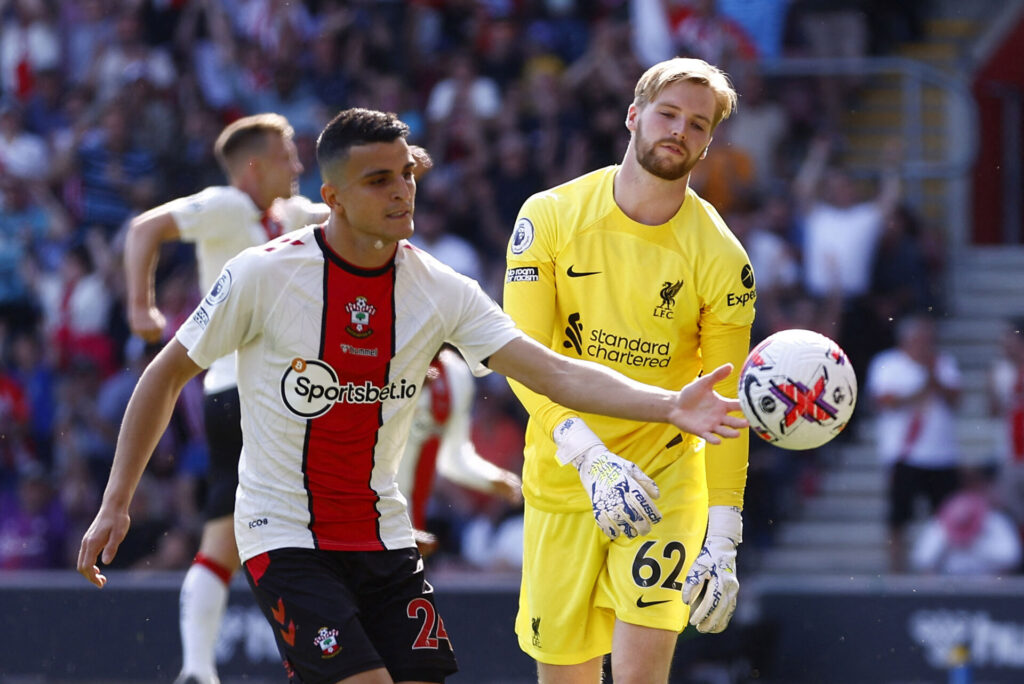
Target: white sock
(204,596)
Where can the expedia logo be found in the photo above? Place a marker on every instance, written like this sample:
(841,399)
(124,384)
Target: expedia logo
(310,388)
(747,276)
(733,299)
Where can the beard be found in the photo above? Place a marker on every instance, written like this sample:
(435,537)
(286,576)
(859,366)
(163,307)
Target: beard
(657,165)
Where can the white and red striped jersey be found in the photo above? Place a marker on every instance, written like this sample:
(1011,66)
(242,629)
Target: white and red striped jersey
(222,221)
(439,439)
(331,359)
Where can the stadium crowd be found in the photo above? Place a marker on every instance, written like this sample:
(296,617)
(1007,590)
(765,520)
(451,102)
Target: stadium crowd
(110,107)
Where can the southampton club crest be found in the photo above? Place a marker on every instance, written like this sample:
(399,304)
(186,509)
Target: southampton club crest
(327,640)
(361,310)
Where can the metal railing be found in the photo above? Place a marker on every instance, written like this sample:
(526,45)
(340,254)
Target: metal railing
(960,127)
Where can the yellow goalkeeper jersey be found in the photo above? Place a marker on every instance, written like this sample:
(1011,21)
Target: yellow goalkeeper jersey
(656,303)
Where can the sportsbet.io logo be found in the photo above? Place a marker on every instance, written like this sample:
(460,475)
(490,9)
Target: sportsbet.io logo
(310,388)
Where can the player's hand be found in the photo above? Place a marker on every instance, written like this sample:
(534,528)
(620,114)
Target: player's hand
(147,322)
(702,411)
(711,587)
(621,493)
(426,542)
(508,486)
(105,534)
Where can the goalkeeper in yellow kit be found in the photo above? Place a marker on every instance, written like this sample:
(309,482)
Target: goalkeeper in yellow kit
(628,267)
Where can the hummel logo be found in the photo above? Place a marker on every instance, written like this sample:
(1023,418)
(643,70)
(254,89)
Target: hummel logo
(579,274)
(640,603)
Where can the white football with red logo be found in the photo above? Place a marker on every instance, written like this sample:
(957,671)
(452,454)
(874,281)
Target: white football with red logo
(797,389)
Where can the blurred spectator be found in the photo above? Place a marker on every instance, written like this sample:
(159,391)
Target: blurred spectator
(726,178)
(277,28)
(840,235)
(901,278)
(330,84)
(76,311)
(81,444)
(463,91)
(29,43)
(125,56)
(450,249)
(833,29)
(204,36)
(968,535)
(110,178)
(914,388)
(761,224)
(291,97)
(33,526)
(16,451)
(23,155)
(758,126)
(44,111)
(763,20)
(86,26)
(514,176)
(699,29)
(1005,392)
(32,367)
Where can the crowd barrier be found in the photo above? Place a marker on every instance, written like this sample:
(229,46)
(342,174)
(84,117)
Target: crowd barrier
(792,629)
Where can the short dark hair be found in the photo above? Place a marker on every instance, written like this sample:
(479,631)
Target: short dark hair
(353,127)
(248,135)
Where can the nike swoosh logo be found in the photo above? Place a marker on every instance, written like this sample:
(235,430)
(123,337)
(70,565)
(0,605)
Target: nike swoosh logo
(640,603)
(579,274)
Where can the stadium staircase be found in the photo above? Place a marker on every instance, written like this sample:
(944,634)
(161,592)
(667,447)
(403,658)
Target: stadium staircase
(839,528)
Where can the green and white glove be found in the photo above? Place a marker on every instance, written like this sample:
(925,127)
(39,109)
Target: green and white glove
(712,586)
(621,493)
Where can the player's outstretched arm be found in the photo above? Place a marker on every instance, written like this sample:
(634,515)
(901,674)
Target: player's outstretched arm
(145,420)
(141,252)
(593,388)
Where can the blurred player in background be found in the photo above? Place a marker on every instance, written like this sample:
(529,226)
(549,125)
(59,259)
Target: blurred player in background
(627,266)
(259,203)
(350,313)
(439,442)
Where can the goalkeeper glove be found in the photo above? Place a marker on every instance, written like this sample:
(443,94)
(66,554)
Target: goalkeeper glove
(620,492)
(711,587)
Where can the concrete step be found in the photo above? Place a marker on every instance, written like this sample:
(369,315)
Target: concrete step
(861,508)
(953,331)
(825,534)
(979,259)
(844,482)
(1008,281)
(833,560)
(1004,306)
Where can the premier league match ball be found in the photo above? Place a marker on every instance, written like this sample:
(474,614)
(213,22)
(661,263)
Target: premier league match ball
(797,389)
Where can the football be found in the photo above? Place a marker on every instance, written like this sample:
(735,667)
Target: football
(797,389)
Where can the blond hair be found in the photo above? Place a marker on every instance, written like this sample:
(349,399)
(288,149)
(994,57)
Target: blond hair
(691,70)
(247,136)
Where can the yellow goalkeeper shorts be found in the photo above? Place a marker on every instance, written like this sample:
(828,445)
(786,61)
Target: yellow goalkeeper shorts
(576,581)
